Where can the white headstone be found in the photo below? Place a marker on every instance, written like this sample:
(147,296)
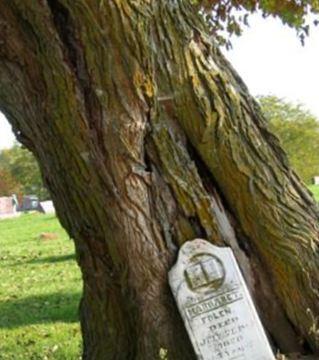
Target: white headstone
(216,306)
(47,207)
(316,180)
(7,207)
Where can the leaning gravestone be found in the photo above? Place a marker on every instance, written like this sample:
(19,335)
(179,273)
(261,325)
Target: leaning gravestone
(47,207)
(215,304)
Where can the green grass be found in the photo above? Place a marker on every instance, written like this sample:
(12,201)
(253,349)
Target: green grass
(39,291)
(315,190)
(40,286)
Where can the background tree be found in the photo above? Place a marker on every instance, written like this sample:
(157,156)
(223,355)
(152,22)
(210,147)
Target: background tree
(298,131)
(146,138)
(20,165)
(8,184)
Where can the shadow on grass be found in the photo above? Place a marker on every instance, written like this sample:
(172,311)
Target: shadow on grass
(52,259)
(47,308)
(47,260)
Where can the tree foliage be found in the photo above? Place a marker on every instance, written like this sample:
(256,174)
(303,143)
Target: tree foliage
(20,173)
(230,15)
(8,184)
(298,131)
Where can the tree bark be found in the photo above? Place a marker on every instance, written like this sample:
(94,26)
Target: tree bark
(146,138)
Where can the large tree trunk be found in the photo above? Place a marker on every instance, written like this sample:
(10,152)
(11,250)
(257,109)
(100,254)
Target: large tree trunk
(146,138)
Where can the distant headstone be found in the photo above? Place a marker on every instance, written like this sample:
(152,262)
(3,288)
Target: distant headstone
(315,180)
(30,203)
(7,207)
(215,304)
(47,207)
(15,202)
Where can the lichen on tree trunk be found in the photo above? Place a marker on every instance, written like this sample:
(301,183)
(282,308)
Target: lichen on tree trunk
(146,138)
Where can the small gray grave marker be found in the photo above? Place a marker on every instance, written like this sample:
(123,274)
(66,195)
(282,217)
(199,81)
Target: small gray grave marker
(216,306)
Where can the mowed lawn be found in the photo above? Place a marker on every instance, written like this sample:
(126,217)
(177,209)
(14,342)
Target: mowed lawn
(39,291)
(315,190)
(40,286)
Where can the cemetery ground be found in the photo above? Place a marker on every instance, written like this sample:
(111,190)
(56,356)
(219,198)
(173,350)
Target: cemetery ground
(315,190)
(40,290)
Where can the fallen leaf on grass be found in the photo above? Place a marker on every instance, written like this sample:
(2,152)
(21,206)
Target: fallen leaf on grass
(48,236)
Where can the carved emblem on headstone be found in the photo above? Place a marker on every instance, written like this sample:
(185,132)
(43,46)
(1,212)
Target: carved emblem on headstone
(215,304)
(204,273)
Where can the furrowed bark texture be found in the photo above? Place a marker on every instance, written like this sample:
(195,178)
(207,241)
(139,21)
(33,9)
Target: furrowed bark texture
(146,138)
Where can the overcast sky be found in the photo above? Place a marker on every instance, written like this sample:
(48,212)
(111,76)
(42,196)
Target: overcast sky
(270,59)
